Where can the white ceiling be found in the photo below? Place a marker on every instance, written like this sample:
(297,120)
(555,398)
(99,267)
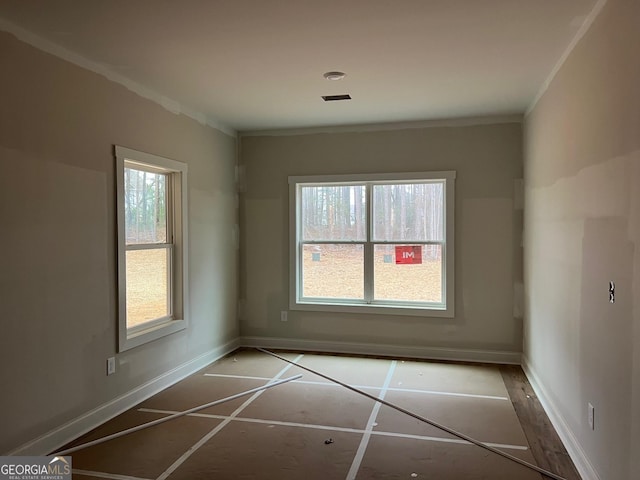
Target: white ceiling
(258,64)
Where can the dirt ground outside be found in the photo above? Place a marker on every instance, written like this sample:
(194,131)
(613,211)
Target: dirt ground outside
(146,286)
(336,271)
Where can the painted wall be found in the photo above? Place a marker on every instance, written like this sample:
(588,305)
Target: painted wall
(582,228)
(58,125)
(487,159)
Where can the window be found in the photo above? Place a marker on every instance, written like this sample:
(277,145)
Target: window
(152,246)
(379,243)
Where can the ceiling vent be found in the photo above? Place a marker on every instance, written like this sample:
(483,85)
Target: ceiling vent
(333,98)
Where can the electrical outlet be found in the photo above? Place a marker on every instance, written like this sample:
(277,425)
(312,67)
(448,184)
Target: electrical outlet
(283,316)
(612,292)
(111,365)
(592,414)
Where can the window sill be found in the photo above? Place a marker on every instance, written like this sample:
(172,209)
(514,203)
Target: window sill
(378,309)
(131,340)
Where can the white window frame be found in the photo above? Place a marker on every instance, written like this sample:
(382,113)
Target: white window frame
(177,240)
(297,302)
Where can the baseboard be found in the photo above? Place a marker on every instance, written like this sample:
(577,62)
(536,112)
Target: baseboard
(429,353)
(60,436)
(575,451)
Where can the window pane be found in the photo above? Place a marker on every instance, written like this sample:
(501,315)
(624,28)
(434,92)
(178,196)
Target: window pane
(409,212)
(147,285)
(145,207)
(408,272)
(333,271)
(333,212)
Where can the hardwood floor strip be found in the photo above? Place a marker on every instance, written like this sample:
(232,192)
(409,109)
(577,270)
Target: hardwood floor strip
(546,446)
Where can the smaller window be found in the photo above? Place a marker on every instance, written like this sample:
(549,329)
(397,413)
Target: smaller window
(152,254)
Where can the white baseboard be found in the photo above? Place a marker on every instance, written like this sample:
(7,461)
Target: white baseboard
(571,443)
(430,353)
(60,436)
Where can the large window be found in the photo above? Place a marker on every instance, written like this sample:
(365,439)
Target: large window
(371,243)
(151,246)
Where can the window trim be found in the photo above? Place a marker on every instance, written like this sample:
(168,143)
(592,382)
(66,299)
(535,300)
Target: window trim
(129,338)
(388,308)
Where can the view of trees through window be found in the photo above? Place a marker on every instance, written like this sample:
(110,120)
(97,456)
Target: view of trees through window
(408,212)
(405,231)
(145,206)
(402,212)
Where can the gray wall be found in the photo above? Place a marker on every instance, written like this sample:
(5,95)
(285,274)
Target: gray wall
(487,158)
(58,125)
(582,228)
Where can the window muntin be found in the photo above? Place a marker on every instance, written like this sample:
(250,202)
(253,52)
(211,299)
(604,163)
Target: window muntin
(151,246)
(349,234)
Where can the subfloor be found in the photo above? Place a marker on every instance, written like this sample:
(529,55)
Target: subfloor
(311,428)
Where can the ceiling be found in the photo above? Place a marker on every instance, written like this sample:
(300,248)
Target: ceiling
(258,64)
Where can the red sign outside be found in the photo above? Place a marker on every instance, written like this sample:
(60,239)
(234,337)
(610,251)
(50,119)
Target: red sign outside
(408,254)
